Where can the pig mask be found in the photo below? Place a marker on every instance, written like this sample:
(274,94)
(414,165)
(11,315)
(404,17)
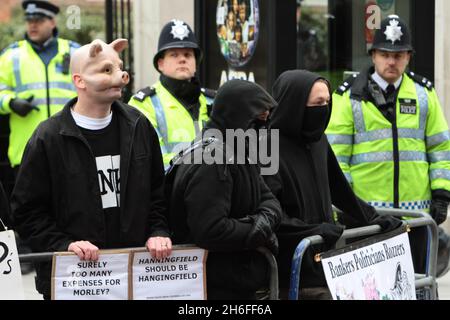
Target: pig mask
(97,70)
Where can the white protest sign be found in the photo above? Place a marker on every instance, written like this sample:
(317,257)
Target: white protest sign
(181,276)
(105,279)
(380,271)
(11,286)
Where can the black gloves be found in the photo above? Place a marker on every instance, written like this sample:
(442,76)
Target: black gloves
(272,244)
(387,223)
(261,234)
(438,210)
(330,233)
(22,107)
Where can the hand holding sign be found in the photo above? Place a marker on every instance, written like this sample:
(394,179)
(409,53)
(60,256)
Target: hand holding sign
(84,250)
(159,247)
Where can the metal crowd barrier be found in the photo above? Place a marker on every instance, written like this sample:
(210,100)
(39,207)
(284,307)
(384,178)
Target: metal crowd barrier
(273,267)
(420,219)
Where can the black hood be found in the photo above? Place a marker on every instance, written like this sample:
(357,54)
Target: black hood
(291,91)
(238,103)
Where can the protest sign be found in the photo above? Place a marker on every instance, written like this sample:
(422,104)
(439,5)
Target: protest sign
(105,279)
(371,271)
(178,277)
(10,275)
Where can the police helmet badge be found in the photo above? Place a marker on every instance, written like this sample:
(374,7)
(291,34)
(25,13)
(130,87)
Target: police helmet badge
(393,31)
(179,30)
(31,8)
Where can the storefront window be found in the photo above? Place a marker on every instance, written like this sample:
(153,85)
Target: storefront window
(312,35)
(333,36)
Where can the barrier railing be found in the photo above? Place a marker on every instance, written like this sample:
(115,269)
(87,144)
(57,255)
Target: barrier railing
(420,219)
(273,267)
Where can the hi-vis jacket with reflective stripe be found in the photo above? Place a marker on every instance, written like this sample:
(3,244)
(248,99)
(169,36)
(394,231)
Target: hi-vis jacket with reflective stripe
(173,123)
(392,165)
(23,74)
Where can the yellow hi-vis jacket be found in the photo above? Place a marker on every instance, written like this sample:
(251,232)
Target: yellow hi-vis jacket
(175,127)
(392,165)
(23,74)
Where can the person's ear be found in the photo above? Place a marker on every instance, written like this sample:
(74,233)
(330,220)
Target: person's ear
(408,57)
(373,54)
(160,64)
(78,81)
(53,23)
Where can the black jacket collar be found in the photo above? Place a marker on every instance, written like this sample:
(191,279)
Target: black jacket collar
(69,127)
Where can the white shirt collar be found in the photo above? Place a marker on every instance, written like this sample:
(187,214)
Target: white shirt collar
(383,83)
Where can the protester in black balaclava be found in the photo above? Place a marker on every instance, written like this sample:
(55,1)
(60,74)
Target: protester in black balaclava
(226,207)
(310,180)
(239,104)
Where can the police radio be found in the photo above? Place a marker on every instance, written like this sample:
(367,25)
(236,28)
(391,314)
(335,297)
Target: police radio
(66,63)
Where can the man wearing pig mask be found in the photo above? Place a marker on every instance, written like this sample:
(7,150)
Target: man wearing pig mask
(92,176)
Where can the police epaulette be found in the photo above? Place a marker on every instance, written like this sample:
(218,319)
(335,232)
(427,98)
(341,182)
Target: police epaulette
(347,84)
(209,93)
(74,45)
(11,46)
(144,93)
(424,82)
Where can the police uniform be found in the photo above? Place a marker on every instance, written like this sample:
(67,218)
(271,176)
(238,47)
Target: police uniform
(37,73)
(394,149)
(176,127)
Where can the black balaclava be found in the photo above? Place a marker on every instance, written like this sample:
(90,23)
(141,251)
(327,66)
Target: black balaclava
(315,122)
(292,117)
(237,105)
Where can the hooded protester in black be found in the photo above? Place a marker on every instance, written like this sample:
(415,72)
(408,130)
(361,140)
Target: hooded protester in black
(310,179)
(227,208)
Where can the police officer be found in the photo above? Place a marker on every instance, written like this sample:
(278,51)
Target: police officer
(34,76)
(176,105)
(34,81)
(389,132)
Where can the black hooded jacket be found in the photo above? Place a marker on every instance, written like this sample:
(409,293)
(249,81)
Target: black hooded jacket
(309,181)
(210,205)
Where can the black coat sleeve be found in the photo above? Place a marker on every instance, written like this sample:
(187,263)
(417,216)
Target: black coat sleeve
(207,201)
(31,201)
(5,212)
(292,228)
(269,205)
(157,218)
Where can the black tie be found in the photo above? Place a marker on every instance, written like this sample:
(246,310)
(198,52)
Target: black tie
(390,90)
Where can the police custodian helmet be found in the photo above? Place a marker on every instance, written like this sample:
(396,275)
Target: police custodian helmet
(393,36)
(176,34)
